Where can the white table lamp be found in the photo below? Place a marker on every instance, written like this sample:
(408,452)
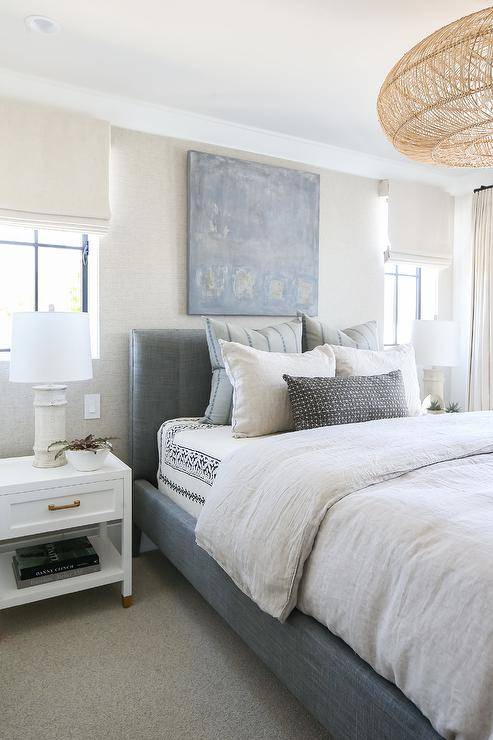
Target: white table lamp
(436,346)
(49,349)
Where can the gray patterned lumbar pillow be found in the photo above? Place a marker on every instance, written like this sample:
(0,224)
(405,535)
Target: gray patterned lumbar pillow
(321,402)
(316,332)
(279,338)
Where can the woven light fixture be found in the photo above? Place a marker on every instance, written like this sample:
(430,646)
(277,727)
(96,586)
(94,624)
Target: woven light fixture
(436,104)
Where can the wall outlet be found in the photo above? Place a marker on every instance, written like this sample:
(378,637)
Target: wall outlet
(92,406)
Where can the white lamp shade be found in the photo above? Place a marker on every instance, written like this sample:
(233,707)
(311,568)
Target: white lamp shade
(436,343)
(50,347)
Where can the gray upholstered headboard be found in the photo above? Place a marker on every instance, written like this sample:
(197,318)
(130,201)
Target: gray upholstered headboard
(170,376)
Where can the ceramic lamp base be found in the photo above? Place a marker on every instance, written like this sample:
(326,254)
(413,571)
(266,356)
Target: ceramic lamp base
(49,424)
(433,381)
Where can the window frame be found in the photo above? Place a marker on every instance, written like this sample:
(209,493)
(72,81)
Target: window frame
(396,274)
(84,249)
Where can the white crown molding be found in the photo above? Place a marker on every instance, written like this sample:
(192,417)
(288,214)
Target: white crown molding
(155,119)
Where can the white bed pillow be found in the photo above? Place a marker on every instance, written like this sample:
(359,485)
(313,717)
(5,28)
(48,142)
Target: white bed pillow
(260,395)
(351,361)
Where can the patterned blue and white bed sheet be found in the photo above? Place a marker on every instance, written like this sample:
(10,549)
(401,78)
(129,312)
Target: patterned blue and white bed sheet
(189,456)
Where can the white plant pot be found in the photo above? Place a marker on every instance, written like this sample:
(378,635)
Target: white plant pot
(86,460)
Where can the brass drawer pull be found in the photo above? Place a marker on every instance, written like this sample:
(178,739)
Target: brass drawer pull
(54,507)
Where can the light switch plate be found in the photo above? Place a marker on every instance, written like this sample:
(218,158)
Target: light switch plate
(92,406)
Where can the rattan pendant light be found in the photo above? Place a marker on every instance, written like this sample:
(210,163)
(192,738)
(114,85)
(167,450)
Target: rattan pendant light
(436,104)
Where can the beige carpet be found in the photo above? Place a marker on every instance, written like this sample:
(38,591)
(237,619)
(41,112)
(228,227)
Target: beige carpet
(82,667)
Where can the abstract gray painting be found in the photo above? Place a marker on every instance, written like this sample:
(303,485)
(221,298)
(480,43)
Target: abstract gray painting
(252,238)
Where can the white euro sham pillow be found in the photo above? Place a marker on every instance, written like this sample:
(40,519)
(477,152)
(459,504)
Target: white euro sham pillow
(351,361)
(260,395)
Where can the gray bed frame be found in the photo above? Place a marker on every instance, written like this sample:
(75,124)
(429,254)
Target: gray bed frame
(170,377)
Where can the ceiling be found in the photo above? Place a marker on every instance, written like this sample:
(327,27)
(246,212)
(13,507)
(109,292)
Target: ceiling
(305,68)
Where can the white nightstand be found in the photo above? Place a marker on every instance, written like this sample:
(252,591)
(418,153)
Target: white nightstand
(37,504)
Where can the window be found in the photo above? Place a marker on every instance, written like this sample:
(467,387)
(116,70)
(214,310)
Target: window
(402,301)
(411,292)
(41,268)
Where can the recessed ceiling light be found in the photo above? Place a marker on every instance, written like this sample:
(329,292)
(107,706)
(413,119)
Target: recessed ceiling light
(41,24)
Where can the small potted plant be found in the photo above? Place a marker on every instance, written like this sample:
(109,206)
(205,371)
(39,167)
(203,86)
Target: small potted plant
(453,408)
(435,407)
(85,454)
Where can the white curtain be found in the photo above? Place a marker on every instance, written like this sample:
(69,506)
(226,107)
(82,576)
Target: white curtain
(480,375)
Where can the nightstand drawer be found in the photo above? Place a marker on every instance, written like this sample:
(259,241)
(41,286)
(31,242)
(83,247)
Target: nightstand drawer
(67,506)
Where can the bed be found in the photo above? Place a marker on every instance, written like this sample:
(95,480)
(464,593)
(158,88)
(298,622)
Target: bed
(170,379)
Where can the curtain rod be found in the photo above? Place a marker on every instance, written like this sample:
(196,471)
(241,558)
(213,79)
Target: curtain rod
(483,187)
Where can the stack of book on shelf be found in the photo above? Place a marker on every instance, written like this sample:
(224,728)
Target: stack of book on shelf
(54,561)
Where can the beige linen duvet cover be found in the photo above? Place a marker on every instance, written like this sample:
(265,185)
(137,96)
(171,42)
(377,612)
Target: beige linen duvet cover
(382,531)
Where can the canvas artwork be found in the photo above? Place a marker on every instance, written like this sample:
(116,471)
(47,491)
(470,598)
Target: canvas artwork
(253,233)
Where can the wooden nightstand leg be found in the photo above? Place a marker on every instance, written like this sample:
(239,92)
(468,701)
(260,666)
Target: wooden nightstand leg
(126,601)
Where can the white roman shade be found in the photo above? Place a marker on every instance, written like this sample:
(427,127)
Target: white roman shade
(54,167)
(420,224)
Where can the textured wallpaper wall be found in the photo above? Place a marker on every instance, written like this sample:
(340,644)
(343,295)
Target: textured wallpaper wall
(143,273)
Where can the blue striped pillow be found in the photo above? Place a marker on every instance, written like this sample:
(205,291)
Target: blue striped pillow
(280,338)
(316,332)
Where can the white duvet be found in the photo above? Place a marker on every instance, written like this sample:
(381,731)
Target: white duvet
(382,531)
